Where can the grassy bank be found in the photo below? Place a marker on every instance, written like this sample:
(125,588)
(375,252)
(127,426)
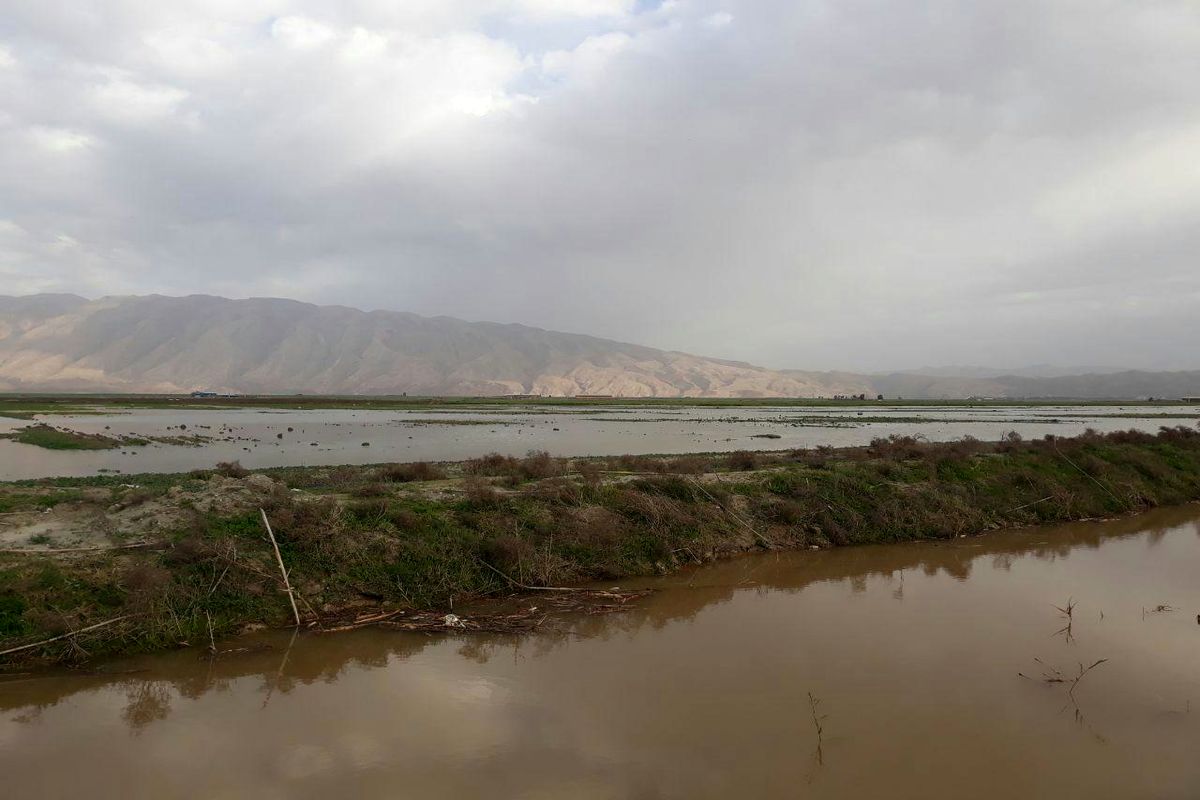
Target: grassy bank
(426,536)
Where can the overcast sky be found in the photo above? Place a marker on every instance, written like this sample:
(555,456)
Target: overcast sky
(858,184)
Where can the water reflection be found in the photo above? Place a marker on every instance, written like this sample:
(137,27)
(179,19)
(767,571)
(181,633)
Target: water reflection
(704,689)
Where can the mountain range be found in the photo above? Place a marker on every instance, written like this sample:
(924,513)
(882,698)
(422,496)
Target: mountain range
(60,342)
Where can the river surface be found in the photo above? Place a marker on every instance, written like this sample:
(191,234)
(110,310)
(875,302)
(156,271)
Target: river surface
(260,438)
(910,655)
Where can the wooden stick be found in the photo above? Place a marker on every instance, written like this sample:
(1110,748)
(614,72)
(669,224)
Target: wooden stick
(65,635)
(82,549)
(1027,505)
(282,569)
(212,643)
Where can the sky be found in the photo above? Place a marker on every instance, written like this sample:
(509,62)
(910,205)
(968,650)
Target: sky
(840,184)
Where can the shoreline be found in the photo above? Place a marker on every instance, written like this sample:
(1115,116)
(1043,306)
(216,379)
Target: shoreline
(184,560)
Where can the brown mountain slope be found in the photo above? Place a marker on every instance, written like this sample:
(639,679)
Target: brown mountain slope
(179,344)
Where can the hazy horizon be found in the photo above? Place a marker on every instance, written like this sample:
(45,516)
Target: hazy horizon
(824,186)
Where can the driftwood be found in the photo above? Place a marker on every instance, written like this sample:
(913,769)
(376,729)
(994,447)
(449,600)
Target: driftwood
(67,635)
(523,620)
(576,590)
(287,584)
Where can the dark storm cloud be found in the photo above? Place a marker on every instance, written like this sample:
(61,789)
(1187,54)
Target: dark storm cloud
(850,184)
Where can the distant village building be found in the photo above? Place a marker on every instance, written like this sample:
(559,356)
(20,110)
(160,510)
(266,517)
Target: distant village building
(1195,399)
(204,394)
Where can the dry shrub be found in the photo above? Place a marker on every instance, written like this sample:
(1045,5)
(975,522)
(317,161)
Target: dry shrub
(231,469)
(817,458)
(1180,434)
(491,464)
(370,490)
(589,471)
(536,465)
(308,522)
(405,519)
(539,464)
(507,552)
(833,529)
(370,511)
(742,460)
(687,465)
(145,580)
(1013,442)
(589,526)
(416,471)
(343,477)
(1131,437)
(783,512)
(657,511)
(897,448)
(481,494)
(46,621)
(189,550)
(963,448)
(677,488)
(556,490)
(628,463)
(136,497)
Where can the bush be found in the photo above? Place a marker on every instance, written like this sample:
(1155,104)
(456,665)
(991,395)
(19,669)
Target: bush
(232,469)
(742,460)
(416,471)
(481,494)
(536,465)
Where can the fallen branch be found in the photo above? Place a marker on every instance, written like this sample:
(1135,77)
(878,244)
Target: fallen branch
(573,589)
(27,552)
(1027,505)
(67,635)
(287,584)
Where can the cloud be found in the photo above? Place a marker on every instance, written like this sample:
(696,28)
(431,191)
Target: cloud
(301,32)
(809,184)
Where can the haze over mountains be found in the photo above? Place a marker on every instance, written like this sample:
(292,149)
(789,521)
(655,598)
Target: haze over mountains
(56,342)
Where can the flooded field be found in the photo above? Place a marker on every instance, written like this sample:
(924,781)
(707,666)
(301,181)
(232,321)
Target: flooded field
(268,438)
(921,670)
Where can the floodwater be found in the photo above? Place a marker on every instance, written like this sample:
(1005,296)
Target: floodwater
(910,655)
(273,438)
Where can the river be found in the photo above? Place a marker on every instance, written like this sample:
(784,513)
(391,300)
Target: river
(919,663)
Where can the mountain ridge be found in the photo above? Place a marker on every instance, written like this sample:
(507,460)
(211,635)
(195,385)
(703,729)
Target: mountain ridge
(157,343)
(165,344)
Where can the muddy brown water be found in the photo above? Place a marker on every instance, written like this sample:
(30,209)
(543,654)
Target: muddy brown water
(912,653)
(260,438)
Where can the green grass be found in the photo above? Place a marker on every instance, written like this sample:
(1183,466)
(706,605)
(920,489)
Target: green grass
(25,501)
(42,435)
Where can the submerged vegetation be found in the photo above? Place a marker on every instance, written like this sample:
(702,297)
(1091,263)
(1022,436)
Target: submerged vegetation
(426,536)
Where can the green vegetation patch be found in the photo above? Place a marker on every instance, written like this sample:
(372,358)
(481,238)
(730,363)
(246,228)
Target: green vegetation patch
(51,438)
